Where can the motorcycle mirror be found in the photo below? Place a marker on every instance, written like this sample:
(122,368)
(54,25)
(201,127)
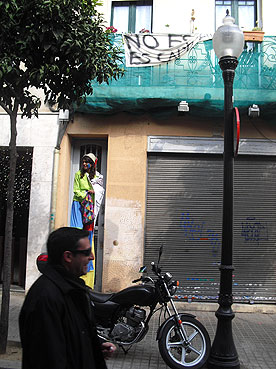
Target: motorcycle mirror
(160,253)
(153,267)
(143,269)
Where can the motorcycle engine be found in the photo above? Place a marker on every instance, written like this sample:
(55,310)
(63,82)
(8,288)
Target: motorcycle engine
(128,329)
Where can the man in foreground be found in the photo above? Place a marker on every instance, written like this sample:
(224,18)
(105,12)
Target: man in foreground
(56,321)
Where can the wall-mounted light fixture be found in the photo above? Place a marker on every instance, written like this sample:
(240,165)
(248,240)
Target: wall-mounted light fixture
(183,106)
(63,115)
(254,111)
(63,118)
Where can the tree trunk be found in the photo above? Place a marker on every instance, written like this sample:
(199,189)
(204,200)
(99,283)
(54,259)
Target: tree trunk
(4,319)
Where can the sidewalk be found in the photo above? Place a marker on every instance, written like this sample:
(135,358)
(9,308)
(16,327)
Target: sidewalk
(254,335)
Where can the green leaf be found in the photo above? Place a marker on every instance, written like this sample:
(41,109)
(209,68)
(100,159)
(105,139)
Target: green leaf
(57,45)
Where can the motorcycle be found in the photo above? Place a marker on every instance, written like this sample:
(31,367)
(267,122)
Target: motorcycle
(123,318)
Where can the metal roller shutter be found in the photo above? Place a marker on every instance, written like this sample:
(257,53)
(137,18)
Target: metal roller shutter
(255,229)
(184,213)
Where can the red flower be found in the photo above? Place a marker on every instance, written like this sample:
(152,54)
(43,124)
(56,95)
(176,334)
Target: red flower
(143,30)
(111,29)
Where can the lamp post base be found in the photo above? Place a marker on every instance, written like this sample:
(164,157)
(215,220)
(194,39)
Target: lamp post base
(223,352)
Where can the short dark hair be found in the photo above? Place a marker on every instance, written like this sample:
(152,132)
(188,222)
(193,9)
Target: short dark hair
(63,239)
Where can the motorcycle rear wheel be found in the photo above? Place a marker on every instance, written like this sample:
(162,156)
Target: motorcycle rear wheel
(179,355)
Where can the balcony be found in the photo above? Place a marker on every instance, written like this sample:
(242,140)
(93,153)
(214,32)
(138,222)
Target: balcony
(196,77)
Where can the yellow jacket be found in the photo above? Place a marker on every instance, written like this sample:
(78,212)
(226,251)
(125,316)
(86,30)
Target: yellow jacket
(81,186)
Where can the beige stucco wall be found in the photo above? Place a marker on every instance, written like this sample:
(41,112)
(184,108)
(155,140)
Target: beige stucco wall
(64,165)
(126,179)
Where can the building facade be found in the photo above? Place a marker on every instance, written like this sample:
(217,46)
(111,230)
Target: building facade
(163,168)
(36,141)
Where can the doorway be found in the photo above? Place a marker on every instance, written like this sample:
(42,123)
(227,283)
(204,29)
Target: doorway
(99,148)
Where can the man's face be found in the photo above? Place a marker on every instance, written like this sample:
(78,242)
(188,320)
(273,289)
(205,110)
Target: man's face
(80,258)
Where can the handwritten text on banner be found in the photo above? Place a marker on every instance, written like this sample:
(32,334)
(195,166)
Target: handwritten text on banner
(143,50)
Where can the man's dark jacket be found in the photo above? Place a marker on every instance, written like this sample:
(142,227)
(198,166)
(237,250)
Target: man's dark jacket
(56,324)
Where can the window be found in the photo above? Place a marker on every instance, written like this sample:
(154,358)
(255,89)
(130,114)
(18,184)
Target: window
(131,16)
(244,12)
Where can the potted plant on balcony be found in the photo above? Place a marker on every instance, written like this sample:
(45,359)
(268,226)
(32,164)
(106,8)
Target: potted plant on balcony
(256,35)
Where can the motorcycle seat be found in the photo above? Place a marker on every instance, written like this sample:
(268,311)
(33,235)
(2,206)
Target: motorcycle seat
(101,297)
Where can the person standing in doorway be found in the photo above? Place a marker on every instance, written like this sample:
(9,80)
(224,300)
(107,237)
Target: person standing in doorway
(88,195)
(56,322)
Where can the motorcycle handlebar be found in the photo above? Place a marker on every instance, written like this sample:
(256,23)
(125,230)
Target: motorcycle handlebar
(143,279)
(156,270)
(137,280)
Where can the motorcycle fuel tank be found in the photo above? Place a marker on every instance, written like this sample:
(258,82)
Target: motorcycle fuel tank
(142,295)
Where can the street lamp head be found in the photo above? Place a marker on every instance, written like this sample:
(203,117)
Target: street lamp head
(228,39)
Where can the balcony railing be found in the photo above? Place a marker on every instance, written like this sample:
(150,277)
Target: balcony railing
(196,77)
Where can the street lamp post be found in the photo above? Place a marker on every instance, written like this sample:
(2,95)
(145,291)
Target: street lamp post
(228,44)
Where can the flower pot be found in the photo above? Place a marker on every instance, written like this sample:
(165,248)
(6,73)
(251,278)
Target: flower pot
(256,36)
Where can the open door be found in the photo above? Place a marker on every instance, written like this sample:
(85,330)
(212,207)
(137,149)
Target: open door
(99,148)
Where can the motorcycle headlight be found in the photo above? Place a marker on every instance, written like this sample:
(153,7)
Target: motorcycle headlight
(173,290)
(173,287)
(167,277)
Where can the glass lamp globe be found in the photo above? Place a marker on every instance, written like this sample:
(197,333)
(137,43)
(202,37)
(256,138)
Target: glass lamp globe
(228,39)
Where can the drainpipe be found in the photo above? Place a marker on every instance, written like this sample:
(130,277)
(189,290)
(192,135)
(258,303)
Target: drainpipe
(260,13)
(63,124)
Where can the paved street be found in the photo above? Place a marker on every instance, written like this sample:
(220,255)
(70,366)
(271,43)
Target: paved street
(254,335)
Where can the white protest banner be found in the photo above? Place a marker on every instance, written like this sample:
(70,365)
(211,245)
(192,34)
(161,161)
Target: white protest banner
(147,49)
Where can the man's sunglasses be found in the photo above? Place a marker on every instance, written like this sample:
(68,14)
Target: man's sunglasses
(86,252)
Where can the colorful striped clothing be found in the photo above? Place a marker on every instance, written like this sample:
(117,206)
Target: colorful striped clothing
(81,186)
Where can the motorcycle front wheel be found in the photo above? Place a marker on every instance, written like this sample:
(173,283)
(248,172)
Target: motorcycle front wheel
(179,353)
